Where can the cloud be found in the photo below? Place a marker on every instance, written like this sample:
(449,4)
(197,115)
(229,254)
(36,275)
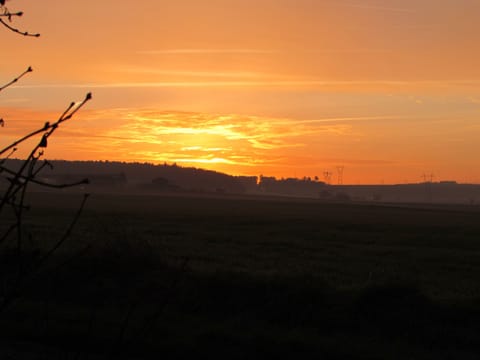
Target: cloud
(186,73)
(223,51)
(366,6)
(347,51)
(356,161)
(295,83)
(14,100)
(221,141)
(123,132)
(206,51)
(188,137)
(347,119)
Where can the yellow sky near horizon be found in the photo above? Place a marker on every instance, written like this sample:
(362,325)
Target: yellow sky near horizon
(390,89)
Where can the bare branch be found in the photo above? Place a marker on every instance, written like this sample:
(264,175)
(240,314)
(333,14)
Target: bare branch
(15,30)
(14,196)
(42,183)
(8,232)
(19,141)
(19,180)
(9,14)
(17,78)
(7,157)
(47,127)
(12,295)
(67,233)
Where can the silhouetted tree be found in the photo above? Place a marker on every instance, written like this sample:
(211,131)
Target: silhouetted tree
(17,181)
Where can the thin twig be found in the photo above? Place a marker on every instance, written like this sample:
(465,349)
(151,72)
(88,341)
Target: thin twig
(121,336)
(8,232)
(66,234)
(42,183)
(9,15)
(13,294)
(17,78)
(19,141)
(48,129)
(7,157)
(19,215)
(47,126)
(15,30)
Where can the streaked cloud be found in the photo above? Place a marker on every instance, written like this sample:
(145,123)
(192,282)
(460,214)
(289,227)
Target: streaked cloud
(183,137)
(206,52)
(365,84)
(14,100)
(187,73)
(365,5)
(223,51)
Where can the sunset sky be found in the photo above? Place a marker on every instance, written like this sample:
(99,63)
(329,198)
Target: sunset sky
(389,89)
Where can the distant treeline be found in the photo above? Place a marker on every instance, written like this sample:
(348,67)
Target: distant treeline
(147,177)
(143,176)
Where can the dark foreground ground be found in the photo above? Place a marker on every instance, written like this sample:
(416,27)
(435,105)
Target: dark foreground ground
(175,277)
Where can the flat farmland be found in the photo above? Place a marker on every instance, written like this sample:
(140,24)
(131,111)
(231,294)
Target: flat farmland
(252,276)
(346,245)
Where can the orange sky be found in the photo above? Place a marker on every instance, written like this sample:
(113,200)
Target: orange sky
(389,89)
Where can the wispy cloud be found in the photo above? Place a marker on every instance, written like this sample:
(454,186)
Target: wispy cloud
(355,161)
(346,51)
(261,83)
(147,135)
(209,138)
(186,73)
(221,51)
(225,142)
(367,6)
(206,51)
(346,119)
(13,100)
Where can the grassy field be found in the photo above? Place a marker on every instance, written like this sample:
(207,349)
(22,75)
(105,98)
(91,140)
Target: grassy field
(225,277)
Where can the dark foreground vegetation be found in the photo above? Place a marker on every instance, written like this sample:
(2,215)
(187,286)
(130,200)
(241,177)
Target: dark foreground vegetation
(175,277)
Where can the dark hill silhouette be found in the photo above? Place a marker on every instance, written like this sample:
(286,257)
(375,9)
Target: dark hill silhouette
(146,177)
(143,176)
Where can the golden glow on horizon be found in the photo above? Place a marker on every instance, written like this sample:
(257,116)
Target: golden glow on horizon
(247,145)
(389,89)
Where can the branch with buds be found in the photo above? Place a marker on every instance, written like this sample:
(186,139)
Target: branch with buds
(26,172)
(6,14)
(16,181)
(3,87)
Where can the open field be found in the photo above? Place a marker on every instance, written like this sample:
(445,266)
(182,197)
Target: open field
(237,277)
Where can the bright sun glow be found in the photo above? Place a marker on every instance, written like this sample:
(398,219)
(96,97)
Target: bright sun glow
(283,88)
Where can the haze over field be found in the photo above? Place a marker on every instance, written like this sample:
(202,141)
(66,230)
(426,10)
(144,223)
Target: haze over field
(389,89)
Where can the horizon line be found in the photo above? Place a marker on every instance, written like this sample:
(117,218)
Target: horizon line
(174,164)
